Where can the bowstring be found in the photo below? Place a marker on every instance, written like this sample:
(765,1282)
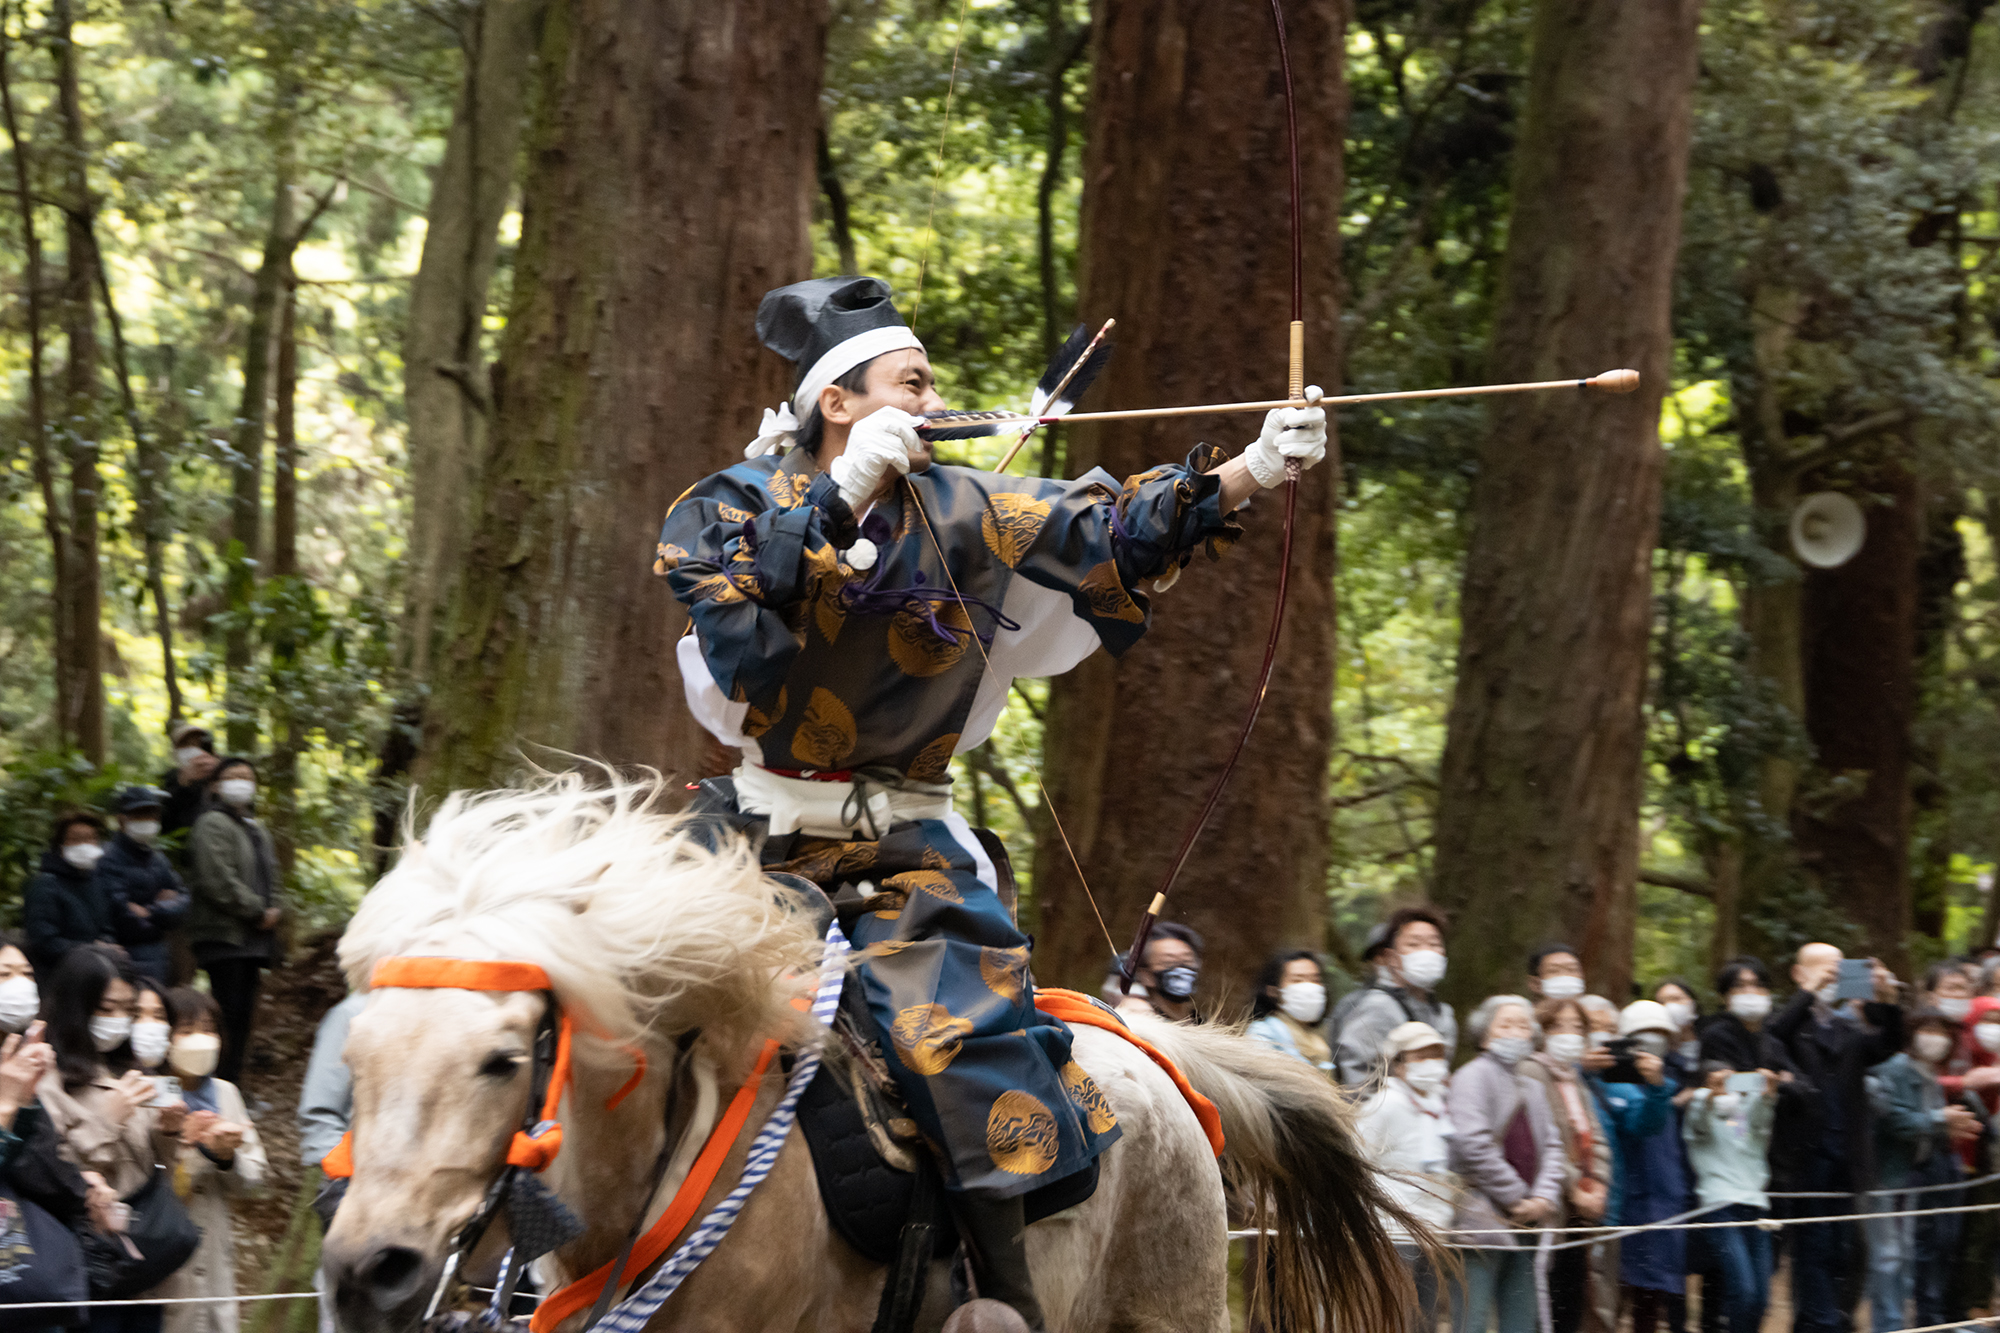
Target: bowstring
(986,660)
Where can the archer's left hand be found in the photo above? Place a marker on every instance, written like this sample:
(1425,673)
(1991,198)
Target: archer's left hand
(1289,432)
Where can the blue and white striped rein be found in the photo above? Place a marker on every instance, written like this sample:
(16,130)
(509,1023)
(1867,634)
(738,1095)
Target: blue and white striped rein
(631,1314)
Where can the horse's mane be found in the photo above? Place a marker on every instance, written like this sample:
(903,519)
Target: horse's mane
(641,924)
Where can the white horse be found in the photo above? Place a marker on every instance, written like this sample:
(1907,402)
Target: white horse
(646,935)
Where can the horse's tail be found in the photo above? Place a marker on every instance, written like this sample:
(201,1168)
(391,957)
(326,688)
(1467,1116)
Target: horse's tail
(1296,1167)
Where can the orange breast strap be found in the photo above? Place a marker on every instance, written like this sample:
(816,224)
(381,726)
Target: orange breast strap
(1072,1007)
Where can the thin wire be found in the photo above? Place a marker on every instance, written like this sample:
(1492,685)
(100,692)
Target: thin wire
(937,174)
(986,661)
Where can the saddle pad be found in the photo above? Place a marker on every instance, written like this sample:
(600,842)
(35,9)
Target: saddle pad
(1075,1007)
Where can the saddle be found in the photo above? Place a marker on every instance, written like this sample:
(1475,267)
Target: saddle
(873,1167)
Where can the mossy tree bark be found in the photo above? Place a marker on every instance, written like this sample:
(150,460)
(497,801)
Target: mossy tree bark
(670,185)
(1186,242)
(1540,782)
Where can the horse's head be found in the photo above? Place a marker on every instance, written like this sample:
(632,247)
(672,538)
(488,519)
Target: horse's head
(641,928)
(441,1083)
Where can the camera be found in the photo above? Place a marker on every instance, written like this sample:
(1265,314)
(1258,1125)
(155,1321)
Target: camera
(1624,1061)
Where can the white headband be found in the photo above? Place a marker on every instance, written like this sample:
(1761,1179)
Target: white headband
(843,357)
(780,428)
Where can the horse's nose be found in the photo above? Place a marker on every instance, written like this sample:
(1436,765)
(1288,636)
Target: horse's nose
(373,1282)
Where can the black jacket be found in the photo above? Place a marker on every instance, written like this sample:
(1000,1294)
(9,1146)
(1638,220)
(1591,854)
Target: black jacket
(133,874)
(63,908)
(184,802)
(1725,1040)
(1835,1058)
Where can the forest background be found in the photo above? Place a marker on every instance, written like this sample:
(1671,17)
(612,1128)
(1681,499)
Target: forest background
(352,350)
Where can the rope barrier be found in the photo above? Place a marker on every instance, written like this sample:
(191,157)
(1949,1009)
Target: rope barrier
(1863,1194)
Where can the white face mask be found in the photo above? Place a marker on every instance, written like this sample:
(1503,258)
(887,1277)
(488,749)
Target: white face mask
(1599,1039)
(1750,1006)
(149,1041)
(1567,1047)
(1932,1047)
(187,754)
(1424,1075)
(1680,1013)
(1988,1037)
(143,830)
(1422,968)
(237,791)
(193,1054)
(1508,1050)
(1829,993)
(82,855)
(1562,988)
(1725,1104)
(1303,1001)
(1955,1007)
(1652,1043)
(20,1001)
(108,1034)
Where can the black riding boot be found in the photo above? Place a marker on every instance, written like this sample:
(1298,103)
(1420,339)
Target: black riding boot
(998,1253)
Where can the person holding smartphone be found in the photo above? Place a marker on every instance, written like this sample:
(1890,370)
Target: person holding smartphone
(1826,1145)
(1727,1128)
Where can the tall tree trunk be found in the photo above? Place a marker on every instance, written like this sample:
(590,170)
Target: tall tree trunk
(1860,653)
(296,598)
(1186,241)
(1066,47)
(671,187)
(838,222)
(149,477)
(246,508)
(446,387)
(1540,782)
(81,427)
(38,411)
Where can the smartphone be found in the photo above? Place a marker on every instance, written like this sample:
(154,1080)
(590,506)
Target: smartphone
(1857,980)
(1750,1084)
(166,1090)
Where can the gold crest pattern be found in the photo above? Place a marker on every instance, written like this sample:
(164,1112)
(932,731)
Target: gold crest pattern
(934,882)
(1107,595)
(1010,524)
(933,764)
(788,489)
(915,646)
(1004,971)
(826,734)
(927,1038)
(756,721)
(731,514)
(668,558)
(719,588)
(1020,1134)
(1089,1098)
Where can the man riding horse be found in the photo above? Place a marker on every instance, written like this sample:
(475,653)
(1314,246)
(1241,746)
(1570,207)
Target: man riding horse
(858,614)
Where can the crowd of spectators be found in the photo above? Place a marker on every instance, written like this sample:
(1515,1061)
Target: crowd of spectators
(1564,1157)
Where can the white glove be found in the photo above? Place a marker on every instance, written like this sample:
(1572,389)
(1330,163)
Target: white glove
(1289,432)
(879,444)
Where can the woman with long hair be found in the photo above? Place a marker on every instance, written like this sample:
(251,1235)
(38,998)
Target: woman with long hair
(1290,1002)
(100,1101)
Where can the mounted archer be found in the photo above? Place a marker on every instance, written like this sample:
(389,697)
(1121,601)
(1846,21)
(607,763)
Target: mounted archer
(858,614)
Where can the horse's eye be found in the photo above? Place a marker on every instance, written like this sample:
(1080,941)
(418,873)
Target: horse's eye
(500,1065)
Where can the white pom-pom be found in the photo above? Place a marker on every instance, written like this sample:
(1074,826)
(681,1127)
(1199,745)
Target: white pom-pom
(862,555)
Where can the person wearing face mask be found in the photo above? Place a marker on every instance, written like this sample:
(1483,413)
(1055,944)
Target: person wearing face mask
(1163,986)
(1586,1149)
(1975,1084)
(221,1158)
(100,1103)
(1509,1152)
(147,898)
(1555,972)
(1652,1265)
(1684,1060)
(1291,1001)
(187,783)
(1826,1146)
(1406,1130)
(1915,1128)
(237,905)
(1407,952)
(1728,1138)
(64,907)
(20,998)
